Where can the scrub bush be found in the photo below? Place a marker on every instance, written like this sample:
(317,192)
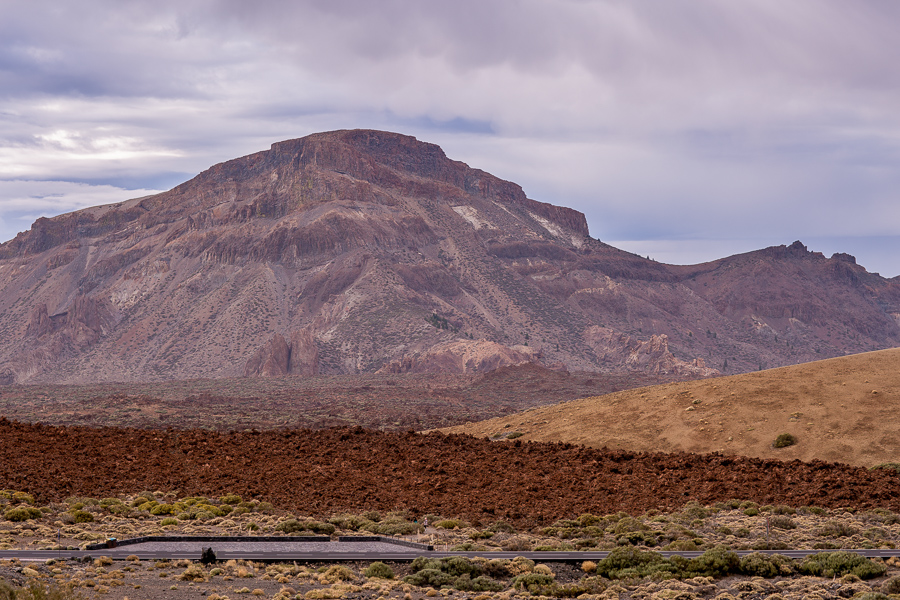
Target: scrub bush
(838,564)
(22,513)
(380,570)
(784,440)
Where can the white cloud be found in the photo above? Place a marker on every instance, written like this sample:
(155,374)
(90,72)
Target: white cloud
(24,201)
(662,120)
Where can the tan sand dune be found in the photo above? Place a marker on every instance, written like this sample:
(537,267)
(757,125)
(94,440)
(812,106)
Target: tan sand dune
(842,409)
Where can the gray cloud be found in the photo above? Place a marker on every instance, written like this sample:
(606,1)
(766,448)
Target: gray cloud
(699,126)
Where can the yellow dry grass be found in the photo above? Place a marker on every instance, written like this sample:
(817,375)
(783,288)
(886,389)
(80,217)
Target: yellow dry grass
(842,409)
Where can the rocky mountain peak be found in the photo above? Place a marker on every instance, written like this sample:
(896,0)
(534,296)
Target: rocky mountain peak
(358,251)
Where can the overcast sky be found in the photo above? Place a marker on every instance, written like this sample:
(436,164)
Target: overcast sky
(684,130)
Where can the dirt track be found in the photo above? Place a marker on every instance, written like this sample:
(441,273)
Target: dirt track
(323,472)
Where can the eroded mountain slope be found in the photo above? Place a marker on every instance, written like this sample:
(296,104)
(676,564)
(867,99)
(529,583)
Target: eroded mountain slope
(360,251)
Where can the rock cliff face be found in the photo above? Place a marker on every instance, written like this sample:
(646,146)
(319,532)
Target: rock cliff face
(354,251)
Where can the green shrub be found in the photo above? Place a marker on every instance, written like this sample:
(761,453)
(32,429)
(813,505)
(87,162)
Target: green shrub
(883,516)
(336,573)
(371,515)
(637,538)
(716,562)
(627,525)
(469,547)
(751,512)
(627,561)
(836,529)
(455,571)
(535,583)
(514,435)
(162,509)
(290,526)
(212,509)
(683,546)
(481,583)
(82,516)
(784,440)
(22,498)
(891,466)
(502,527)
(891,586)
(450,524)
(812,510)
(380,570)
(393,525)
(429,577)
(766,565)
(320,527)
(782,522)
(837,564)
(420,563)
(350,522)
(22,513)
(693,510)
(232,499)
(36,590)
(458,565)
(169,521)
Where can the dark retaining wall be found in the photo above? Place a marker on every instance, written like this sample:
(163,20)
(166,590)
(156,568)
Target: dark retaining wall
(260,538)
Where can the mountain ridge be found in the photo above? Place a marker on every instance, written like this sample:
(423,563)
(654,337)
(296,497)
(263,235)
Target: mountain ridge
(356,250)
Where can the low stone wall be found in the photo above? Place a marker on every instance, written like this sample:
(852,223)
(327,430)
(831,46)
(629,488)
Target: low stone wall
(210,538)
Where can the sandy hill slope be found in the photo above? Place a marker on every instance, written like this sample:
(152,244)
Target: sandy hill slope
(842,409)
(362,251)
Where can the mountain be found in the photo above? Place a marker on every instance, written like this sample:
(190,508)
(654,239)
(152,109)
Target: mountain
(363,251)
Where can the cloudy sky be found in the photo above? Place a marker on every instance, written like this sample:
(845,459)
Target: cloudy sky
(685,130)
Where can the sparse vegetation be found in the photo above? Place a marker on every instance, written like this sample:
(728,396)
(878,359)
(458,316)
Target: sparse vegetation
(718,531)
(784,440)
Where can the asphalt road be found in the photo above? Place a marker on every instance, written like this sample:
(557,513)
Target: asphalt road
(338,551)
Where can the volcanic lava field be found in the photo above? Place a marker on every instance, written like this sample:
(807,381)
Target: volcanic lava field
(326,471)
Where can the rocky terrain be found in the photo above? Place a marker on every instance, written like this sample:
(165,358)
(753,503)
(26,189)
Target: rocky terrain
(364,251)
(840,409)
(375,401)
(324,472)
